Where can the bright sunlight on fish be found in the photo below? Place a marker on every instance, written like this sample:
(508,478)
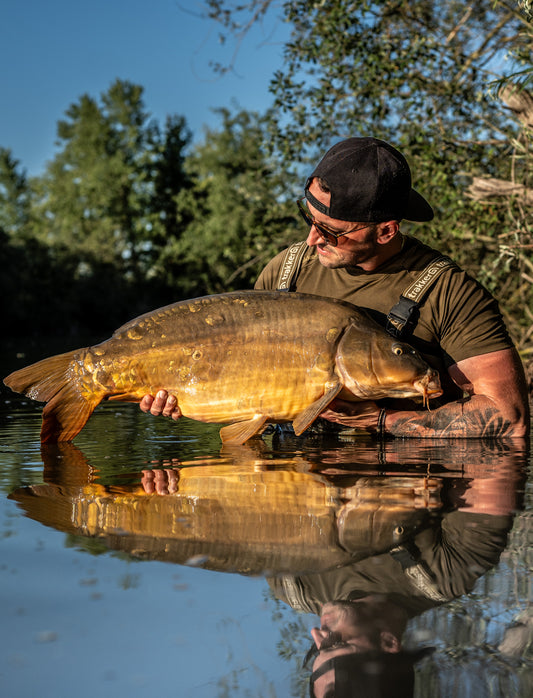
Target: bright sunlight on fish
(245,359)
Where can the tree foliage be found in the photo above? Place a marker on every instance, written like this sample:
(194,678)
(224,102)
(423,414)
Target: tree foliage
(420,75)
(108,192)
(131,211)
(127,216)
(94,224)
(14,194)
(396,67)
(239,218)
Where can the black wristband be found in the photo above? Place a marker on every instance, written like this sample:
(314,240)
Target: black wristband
(381,423)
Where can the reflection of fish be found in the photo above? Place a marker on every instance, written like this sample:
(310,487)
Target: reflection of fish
(246,357)
(241,513)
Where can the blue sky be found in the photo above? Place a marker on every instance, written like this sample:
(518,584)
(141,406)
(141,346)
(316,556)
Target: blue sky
(53,51)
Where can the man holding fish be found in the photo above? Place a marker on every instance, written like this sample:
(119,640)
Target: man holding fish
(354,202)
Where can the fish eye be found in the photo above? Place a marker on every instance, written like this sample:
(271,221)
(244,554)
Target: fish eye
(397,349)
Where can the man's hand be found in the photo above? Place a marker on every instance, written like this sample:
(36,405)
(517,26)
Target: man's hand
(160,481)
(162,404)
(362,415)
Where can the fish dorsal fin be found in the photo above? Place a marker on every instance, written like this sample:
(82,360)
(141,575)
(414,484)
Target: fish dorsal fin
(239,432)
(308,416)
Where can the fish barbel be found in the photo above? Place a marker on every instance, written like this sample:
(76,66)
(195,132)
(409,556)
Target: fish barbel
(245,358)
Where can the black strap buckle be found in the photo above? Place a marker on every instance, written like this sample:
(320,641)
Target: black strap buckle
(403,318)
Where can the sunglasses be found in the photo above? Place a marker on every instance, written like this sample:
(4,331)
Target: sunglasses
(329,236)
(332,642)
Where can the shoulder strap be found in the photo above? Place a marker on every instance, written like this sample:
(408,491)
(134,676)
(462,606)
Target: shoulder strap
(418,572)
(403,317)
(290,267)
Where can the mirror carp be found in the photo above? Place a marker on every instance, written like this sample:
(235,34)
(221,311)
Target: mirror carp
(244,358)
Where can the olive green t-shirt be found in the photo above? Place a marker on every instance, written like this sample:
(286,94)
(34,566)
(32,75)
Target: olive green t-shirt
(456,551)
(459,318)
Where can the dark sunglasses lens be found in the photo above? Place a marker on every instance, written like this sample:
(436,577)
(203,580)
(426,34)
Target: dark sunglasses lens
(328,237)
(304,214)
(311,655)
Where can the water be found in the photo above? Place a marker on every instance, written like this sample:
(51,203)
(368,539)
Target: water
(145,558)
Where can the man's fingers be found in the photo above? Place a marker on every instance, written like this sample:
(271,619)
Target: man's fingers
(159,403)
(162,404)
(146,403)
(169,406)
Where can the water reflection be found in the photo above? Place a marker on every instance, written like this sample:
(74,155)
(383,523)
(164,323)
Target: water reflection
(242,513)
(364,607)
(366,536)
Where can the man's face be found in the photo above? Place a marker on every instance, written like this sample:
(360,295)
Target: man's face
(348,622)
(352,249)
(340,633)
(346,627)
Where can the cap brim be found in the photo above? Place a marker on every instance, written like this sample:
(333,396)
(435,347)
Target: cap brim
(418,208)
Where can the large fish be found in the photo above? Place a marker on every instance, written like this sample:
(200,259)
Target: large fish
(246,358)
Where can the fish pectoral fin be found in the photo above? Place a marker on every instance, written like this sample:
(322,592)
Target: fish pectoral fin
(127,397)
(308,416)
(239,432)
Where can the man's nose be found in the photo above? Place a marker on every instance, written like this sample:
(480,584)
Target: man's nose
(319,636)
(314,237)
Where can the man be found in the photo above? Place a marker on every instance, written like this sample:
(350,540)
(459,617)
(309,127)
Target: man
(354,203)
(358,651)
(364,607)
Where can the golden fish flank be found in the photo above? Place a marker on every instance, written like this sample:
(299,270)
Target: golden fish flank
(243,358)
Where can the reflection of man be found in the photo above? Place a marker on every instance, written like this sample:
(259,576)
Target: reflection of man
(364,607)
(357,650)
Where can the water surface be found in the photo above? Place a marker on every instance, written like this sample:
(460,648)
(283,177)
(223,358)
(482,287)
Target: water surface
(147,559)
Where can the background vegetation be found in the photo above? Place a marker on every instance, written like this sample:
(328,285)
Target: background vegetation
(130,215)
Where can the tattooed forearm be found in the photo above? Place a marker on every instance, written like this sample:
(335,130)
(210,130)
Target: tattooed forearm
(456,420)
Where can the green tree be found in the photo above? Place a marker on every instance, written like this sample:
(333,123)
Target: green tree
(418,75)
(14,195)
(395,67)
(91,228)
(107,194)
(238,208)
(21,261)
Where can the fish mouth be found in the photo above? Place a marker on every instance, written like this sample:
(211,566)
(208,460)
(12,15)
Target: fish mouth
(428,386)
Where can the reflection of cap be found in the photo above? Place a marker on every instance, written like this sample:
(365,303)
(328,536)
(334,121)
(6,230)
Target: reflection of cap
(369,181)
(372,674)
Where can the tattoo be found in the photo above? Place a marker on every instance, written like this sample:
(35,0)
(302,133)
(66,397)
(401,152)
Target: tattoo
(454,421)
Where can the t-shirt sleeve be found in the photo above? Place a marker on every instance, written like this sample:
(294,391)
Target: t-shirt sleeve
(470,320)
(464,548)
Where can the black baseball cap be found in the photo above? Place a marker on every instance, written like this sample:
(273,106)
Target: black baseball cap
(369,181)
(372,674)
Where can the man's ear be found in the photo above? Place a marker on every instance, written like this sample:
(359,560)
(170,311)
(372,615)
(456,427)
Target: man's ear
(387,231)
(389,642)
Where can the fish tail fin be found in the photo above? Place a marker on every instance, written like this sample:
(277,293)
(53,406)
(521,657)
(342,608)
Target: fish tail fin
(67,410)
